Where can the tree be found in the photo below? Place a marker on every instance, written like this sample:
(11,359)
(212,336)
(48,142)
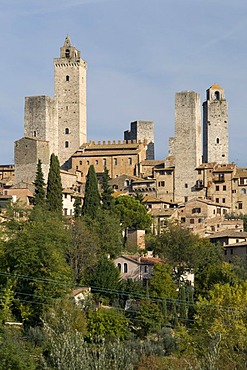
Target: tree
(106,196)
(54,186)
(107,226)
(35,255)
(83,252)
(107,324)
(77,207)
(105,279)
(177,246)
(91,202)
(39,192)
(161,283)
(222,317)
(132,213)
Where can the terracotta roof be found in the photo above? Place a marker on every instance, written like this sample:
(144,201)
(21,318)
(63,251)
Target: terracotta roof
(143,260)
(216,86)
(229,233)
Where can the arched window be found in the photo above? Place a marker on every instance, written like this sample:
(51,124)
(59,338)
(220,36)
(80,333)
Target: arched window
(243,191)
(119,266)
(67,131)
(217,95)
(217,140)
(127,182)
(34,134)
(66,144)
(67,78)
(125,267)
(67,53)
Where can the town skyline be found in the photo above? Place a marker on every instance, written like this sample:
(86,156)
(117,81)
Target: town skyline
(133,72)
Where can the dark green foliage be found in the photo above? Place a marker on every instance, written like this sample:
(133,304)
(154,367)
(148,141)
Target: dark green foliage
(83,252)
(13,354)
(132,213)
(105,279)
(36,255)
(39,192)
(107,324)
(54,187)
(147,318)
(77,207)
(107,226)
(91,202)
(106,196)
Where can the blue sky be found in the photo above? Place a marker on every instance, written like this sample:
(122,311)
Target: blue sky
(139,54)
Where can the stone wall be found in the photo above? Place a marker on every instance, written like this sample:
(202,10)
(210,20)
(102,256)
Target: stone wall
(142,130)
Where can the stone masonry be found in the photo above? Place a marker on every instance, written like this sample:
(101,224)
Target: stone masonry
(215,126)
(188,146)
(140,131)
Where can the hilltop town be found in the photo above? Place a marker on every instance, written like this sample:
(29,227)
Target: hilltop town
(111,258)
(194,184)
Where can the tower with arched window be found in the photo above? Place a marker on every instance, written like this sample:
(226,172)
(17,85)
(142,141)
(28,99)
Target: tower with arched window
(215,126)
(70,92)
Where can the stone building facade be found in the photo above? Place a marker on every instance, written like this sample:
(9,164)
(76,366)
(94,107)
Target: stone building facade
(118,157)
(70,72)
(142,131)
(54,124)
(188,143)
(215,126)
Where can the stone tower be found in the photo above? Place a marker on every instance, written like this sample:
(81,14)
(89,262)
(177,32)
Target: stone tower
(70,92)
(140,131)
(215,126)
(188,143)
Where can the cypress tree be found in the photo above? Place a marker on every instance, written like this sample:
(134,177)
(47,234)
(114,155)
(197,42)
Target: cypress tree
(39,192)
(77,207)
(106,196)
(54,186)
(91,202)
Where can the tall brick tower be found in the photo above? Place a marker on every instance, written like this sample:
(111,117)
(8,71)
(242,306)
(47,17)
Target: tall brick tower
(215,126)
(70,92)
(142,130)
(188,143)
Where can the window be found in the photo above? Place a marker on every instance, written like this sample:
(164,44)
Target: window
(161,183)
(125,267)
(104,162)
(130,160)
(96,162)
(192,221)
(199,220)
(223,200)
(66,144)
(212,228)
(217,140)
(67,131)
(186,199)
(217,188)
(67,78)
(243,191)
(217,200)
(218,211)
(34,134)
(199,172)
(231,251)
(76,167)
(224,187)
(145,268)
(196,210)
(67,53)
(240,205)
(119,266)
(115,161)
(80,163)
(88,163)
(186,186)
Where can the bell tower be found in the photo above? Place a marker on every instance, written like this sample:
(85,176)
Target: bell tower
(215,126)
(70,91)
